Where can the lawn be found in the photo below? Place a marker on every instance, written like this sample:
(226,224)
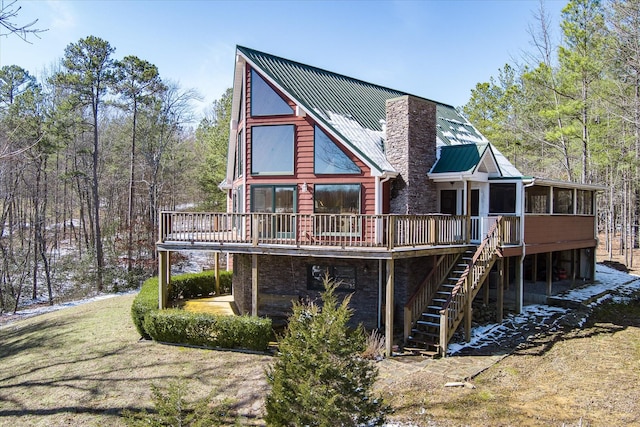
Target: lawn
(84,365)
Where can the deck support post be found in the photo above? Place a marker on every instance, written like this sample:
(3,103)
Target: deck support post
(549,273)
(500,302)
(519,283)
(254,285)
(468,312)
(534,269)
(507,272)
(164,277)
(574,259)
(388,323)
(216,271)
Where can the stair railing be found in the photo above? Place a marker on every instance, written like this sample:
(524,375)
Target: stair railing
(468,285)
(426,291)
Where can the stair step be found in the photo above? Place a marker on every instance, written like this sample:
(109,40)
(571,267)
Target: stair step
(431,316)
(434,307)
(427,353)
(439,300)
(426,323)
(443,293)
(426,334)
(447,286)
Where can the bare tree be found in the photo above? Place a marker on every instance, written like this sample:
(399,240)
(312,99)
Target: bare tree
(9,12)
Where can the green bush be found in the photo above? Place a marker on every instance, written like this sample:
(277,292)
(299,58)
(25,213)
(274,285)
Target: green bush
(202,329)
(145,302)
(320,377)
(173,407)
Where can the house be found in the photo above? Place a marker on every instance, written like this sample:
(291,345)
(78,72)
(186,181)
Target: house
(397,197)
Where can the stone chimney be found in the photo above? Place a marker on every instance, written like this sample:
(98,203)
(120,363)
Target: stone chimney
(411,149)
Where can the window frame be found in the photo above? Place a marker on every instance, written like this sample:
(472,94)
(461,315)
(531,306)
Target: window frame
(267,158)
(315,276)
(494,186)
(320,136)
(262,84)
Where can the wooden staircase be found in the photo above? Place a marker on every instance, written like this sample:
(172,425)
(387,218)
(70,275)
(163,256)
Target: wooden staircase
(443,300)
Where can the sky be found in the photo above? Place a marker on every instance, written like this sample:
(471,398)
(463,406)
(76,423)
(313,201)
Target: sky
(434,49)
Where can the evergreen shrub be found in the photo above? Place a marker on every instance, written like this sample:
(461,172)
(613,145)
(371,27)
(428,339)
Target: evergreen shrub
(208,330)
(320,377)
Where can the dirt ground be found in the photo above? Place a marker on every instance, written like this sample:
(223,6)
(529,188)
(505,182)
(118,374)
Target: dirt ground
(617,259)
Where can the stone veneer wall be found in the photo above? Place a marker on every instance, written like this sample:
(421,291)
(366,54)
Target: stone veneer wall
(411,149)
(282,278)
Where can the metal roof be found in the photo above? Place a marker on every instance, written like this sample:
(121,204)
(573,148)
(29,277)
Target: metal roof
(459,158)
(354,110)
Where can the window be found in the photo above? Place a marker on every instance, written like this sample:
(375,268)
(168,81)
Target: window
(329,158)
(264,100)
(337,198)
(537,199)
(449,202)
(344,276)
(584,202)
(562,201)
(239,156)
(272,150)
(502,198)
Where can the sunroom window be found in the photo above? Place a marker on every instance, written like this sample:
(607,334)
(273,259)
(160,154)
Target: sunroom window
(272,150)
(537,199)
(584,202)
(264,100)
(562,200)
(329,158)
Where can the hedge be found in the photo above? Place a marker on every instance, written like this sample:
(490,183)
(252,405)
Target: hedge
(145,302)
(202,329)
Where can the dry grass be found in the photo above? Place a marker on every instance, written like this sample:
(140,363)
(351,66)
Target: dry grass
(84,365)
(581,377)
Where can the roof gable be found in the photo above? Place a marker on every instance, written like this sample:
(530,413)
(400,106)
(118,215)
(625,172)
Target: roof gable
(354,111)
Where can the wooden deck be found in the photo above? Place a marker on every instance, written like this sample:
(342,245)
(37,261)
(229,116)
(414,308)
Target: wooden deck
(362,236)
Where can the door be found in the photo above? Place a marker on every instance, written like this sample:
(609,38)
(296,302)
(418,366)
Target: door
(278,200)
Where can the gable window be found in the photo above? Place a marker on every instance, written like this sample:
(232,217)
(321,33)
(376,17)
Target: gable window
(329,158)
(562,200)
(502,198)
(264,100)
(272,150)
(537,199)
(344,276)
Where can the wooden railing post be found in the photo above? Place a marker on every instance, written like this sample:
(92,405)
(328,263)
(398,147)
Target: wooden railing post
(391,232)
(444,333)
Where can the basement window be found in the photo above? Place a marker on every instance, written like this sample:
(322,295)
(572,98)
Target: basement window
(343,275)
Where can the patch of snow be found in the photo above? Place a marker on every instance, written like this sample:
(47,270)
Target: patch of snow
(610,284)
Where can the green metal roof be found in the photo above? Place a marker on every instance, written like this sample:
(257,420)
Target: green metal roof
(356,110)
(459,158)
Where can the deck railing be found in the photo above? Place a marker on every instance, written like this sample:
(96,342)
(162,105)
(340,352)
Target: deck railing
(368,231)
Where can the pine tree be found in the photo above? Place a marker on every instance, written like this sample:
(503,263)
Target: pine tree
(320,378)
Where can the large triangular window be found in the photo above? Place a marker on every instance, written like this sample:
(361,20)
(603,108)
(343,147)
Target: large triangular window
(264,100)
(329,158)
